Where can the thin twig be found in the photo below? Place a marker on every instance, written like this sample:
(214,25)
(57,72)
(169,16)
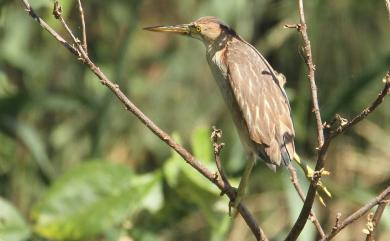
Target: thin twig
(83,29)
(305,212)
(302,28)
(57,12)
(359,213)
(298,188)
(46,27)
(216,135)
(377,217)
(343,127)
(129,105)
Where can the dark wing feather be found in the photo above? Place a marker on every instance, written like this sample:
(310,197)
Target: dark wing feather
(262,100)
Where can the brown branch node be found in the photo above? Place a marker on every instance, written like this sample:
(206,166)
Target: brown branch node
(337,222)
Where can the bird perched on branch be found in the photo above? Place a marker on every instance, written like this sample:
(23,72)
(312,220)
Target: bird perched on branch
(253,91)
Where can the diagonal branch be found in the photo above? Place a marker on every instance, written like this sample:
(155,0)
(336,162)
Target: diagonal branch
(345,126)
(359,213)
(57,12)
(82,55)
(377,217)
(46,27)
(83,29)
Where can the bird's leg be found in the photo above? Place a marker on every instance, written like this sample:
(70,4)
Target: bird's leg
(243,182)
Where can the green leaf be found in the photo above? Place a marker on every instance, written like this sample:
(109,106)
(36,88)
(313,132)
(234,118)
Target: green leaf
(198,179)
(12,225)
(176,165)
(201,144)
(171,167)
(92,198)
(202,148)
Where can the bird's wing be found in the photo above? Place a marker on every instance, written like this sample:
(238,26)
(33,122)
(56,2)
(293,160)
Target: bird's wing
(262,100)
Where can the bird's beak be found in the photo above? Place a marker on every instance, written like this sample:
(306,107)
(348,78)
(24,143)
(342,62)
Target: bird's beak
(181,29)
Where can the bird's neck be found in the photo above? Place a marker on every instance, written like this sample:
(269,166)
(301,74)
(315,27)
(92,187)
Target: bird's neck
(218,44)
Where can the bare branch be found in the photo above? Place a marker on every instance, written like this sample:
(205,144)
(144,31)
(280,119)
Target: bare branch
(377,217)
(323,143)
(46,27)
(57,12)
(302,28)
(298,188)
(305,212)
(216,135)
(347,125)
(83,29)
(131,107)
(322,146)
(359,213)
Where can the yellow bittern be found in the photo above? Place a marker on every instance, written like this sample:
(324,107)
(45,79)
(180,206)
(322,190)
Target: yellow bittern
(252,90)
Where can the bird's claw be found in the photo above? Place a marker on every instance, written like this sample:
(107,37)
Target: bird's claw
(311,174)
(233,204)
(229,190)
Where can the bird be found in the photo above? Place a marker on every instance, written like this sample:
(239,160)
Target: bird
(252,90)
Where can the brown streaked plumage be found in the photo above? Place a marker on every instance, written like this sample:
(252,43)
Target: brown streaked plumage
(252,90)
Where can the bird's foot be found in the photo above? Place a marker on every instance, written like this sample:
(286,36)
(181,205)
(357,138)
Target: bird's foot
(311,174)
(233,204)
(321,187)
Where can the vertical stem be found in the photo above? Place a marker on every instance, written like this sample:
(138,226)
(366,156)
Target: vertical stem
(83,29)
(311,74)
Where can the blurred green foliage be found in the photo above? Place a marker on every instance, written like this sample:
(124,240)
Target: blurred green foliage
(74,165)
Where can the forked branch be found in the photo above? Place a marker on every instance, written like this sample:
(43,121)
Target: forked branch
(322,140)
(356,215)
(377,217)
(79,49)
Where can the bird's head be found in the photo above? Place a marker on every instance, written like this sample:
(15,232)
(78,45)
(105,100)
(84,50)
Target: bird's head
(206,29)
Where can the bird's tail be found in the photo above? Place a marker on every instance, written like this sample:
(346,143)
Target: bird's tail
(287,150)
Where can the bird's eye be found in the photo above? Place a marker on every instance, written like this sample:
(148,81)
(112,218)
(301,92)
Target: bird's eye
(198,29)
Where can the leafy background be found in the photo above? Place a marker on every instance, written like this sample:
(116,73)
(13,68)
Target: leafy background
(74,165)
